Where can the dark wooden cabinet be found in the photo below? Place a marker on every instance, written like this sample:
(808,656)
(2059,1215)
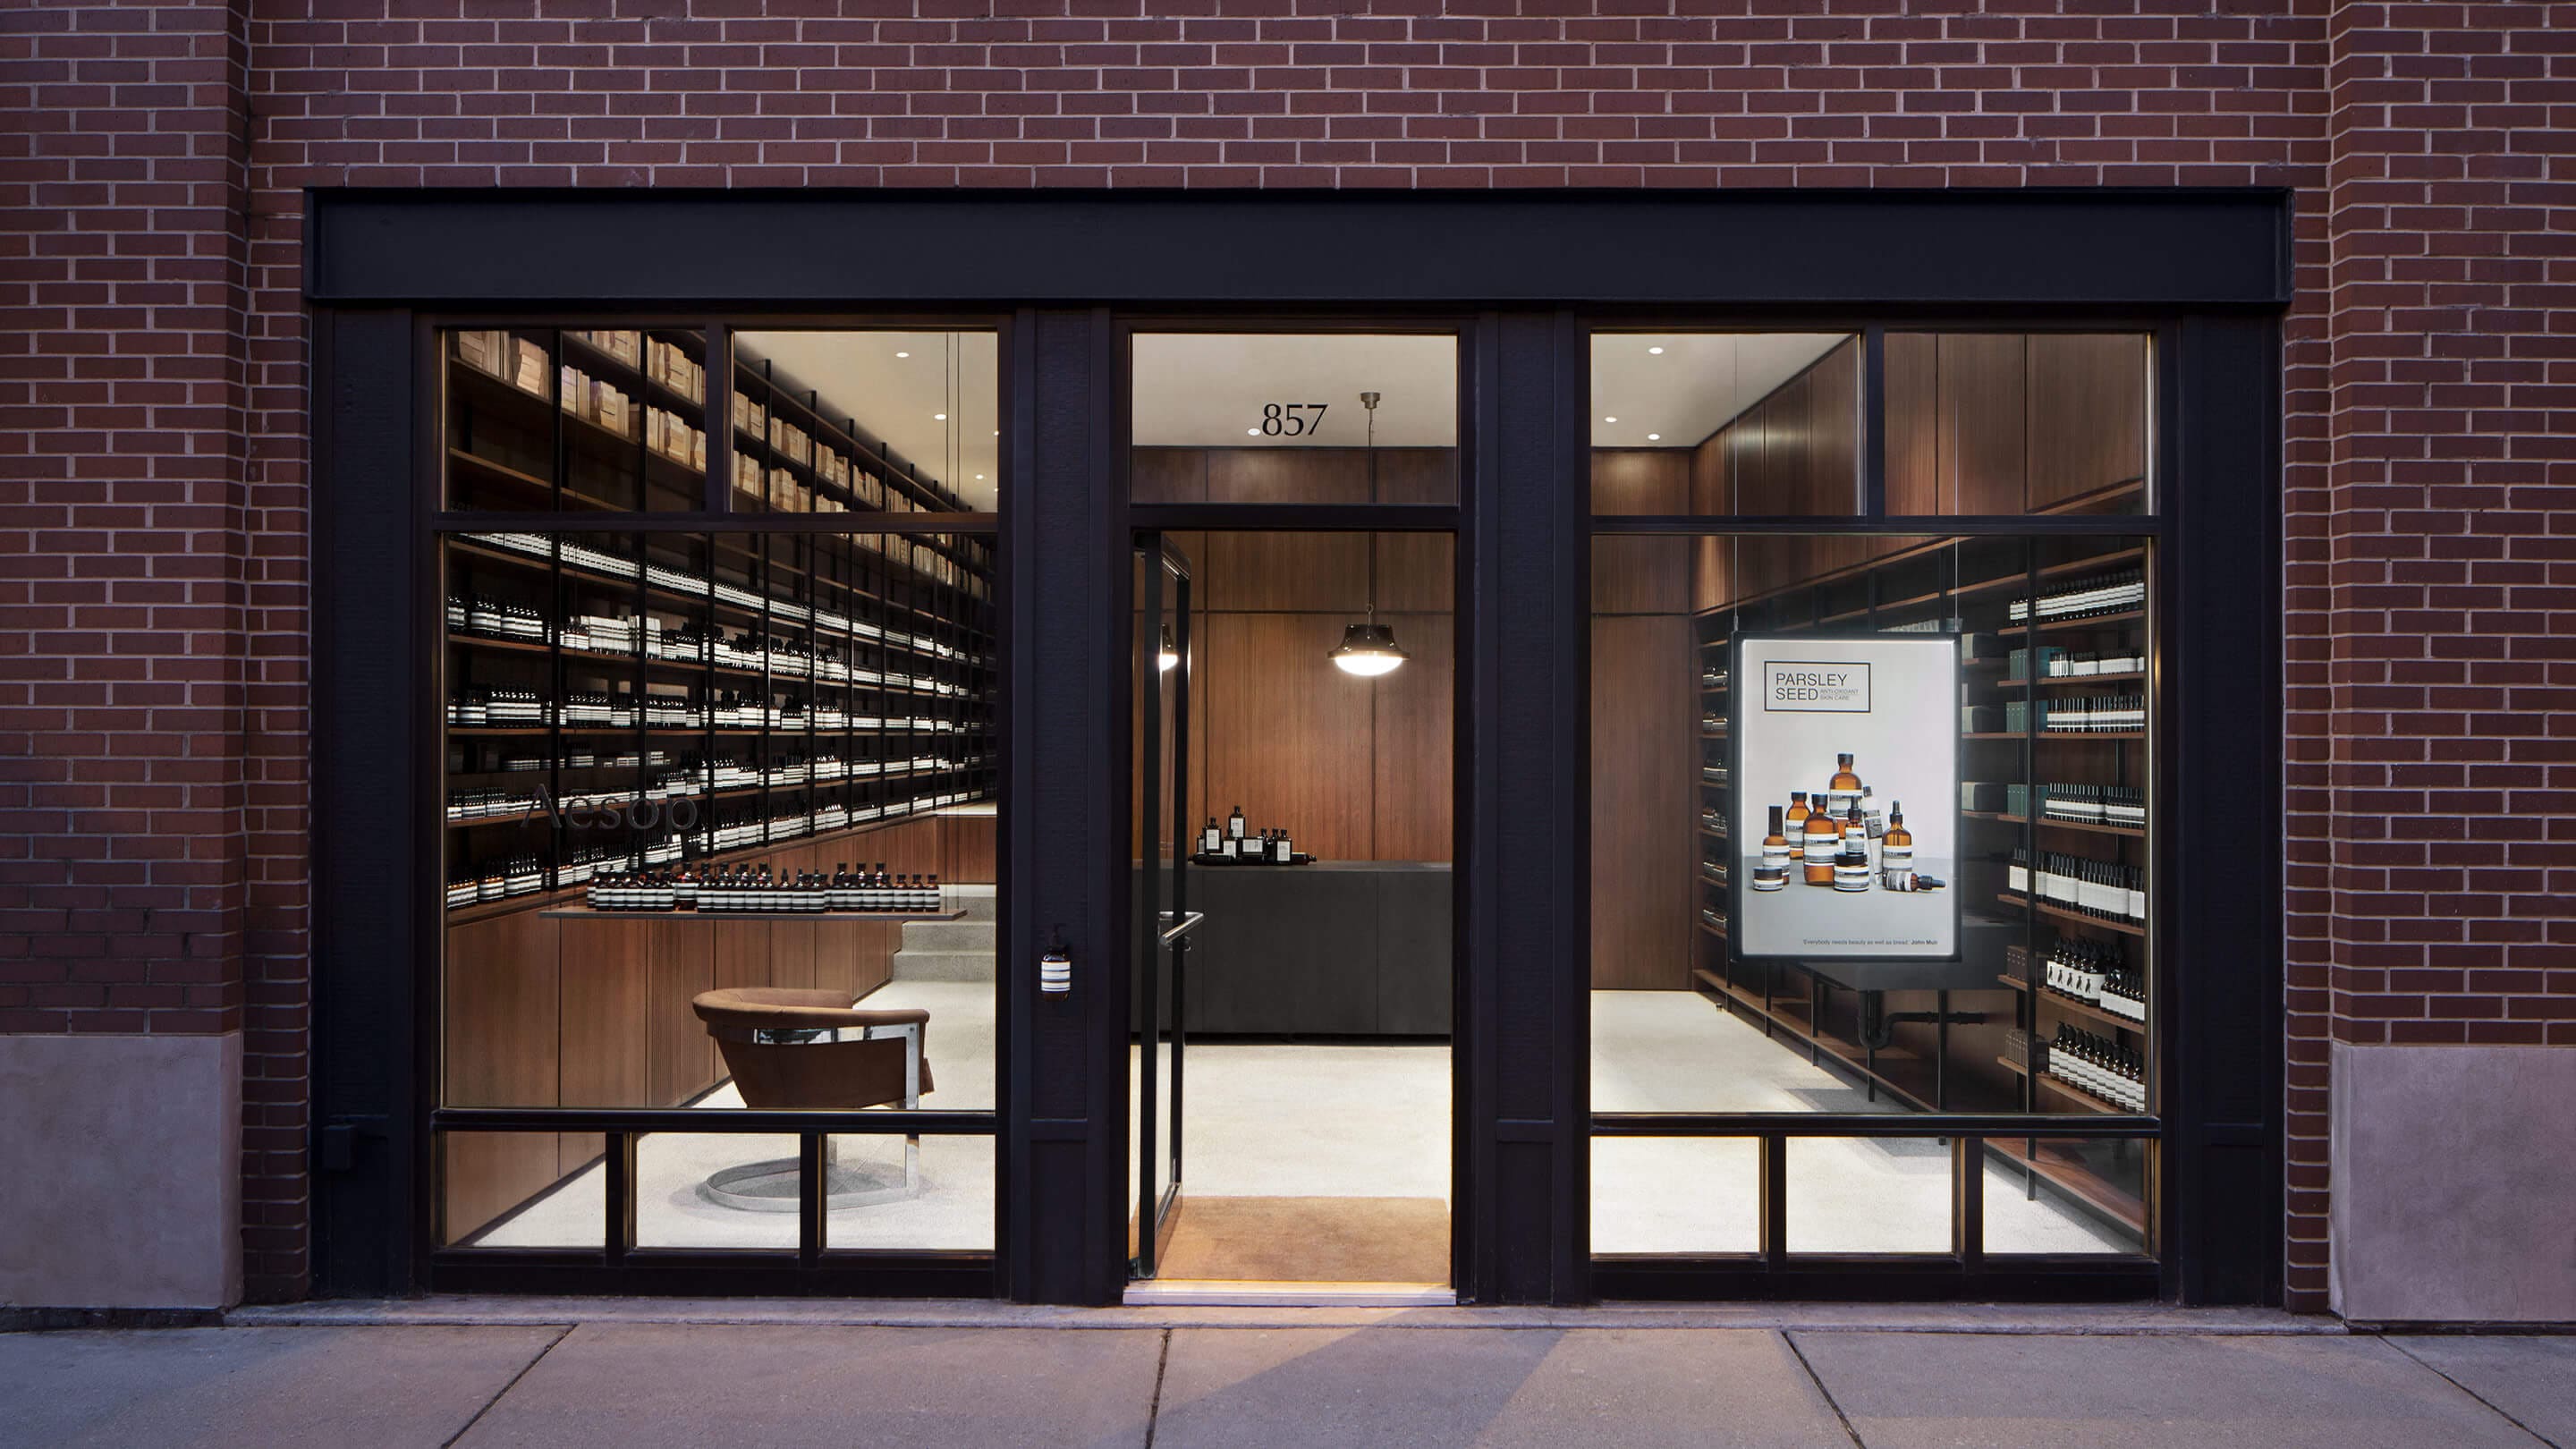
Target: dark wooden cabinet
(1345,948)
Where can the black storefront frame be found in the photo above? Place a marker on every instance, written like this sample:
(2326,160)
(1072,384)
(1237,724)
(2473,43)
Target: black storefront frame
(621,1265)
(1966,1269)
(1453,519)
(2212,265)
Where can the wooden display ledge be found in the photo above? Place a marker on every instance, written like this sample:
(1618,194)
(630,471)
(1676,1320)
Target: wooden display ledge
(2068,1090)
(2072,1007)
(585,913)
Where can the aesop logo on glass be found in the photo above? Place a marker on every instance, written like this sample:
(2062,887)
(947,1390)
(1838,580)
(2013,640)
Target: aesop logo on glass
(1803,685)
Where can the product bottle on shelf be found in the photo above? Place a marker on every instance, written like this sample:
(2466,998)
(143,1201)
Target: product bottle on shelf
(1822,842)
(1287,853)
(1851,866)
(1796,819)
(1773,872)
(1896,850)
(1845,787)
(1208,838)
(1234,824)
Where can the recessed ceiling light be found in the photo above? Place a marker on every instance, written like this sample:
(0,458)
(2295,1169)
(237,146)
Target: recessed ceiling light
(1609,420)
(1252,432)
(1650,437)
(979,475)
(1655,351)
(907,354)
(939,417)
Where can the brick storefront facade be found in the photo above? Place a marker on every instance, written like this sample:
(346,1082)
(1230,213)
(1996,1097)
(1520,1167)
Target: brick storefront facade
(151,818)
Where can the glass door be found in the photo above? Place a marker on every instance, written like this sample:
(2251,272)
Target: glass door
(1163,920)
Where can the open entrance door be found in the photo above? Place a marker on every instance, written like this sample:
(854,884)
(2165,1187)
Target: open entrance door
(1163,920)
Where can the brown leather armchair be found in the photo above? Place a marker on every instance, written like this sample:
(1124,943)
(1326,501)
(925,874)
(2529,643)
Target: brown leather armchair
(798,1050)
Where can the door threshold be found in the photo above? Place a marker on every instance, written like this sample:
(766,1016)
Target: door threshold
(1231,1293)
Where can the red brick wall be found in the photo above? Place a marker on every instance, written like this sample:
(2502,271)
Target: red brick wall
(151,810)
(2433,589)
(2389,368)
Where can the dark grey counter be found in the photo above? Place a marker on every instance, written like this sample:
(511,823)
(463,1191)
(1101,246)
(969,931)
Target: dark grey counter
(1337,948)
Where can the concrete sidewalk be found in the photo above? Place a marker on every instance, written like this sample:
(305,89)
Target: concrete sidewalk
(635,1375)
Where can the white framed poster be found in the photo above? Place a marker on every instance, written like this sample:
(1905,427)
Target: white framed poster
(1854,740)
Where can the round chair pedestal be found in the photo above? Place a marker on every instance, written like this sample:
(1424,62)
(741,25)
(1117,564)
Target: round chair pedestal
(772,1186)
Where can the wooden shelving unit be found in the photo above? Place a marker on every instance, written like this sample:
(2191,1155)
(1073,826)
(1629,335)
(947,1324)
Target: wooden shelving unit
(905,619)
(1975,582)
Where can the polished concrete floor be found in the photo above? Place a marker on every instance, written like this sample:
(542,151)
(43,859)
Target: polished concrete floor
(1330,1120)
(1677,1051)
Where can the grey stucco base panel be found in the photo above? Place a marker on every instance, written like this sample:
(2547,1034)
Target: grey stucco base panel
(2453,1170)
(120,1171)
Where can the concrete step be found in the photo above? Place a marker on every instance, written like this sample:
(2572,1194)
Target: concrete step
(950,935)
(911,965)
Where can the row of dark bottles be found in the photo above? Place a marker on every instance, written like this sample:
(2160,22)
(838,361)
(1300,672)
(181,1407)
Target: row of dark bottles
(757,890)
(2099,1065)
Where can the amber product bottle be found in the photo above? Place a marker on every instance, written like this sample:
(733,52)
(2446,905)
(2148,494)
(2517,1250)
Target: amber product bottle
(1845,787)
(1821,840)
(1773,872)
(1896,848)
(1798,812)
(1851,865)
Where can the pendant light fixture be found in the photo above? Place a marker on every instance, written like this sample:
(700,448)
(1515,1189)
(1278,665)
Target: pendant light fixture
(1369,649)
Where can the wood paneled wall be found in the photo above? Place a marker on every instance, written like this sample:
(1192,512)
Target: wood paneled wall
(1642,719)
(1356,769)
(1644,840)
(2012,422)
(546,1013)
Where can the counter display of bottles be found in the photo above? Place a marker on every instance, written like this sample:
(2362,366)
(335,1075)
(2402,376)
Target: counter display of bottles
(2055,728)
(745,892)
(1235,843)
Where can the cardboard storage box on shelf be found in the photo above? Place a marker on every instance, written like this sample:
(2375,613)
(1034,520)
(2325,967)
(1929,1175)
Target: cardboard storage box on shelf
(530,375)
(750,417)
(486,352)
(613,410)
(665,433)
(746,480)
(786,493)
(674,369)
(790,440)
(624,347)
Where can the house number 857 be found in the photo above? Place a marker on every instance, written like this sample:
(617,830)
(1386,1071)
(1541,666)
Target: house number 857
(1290,420)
